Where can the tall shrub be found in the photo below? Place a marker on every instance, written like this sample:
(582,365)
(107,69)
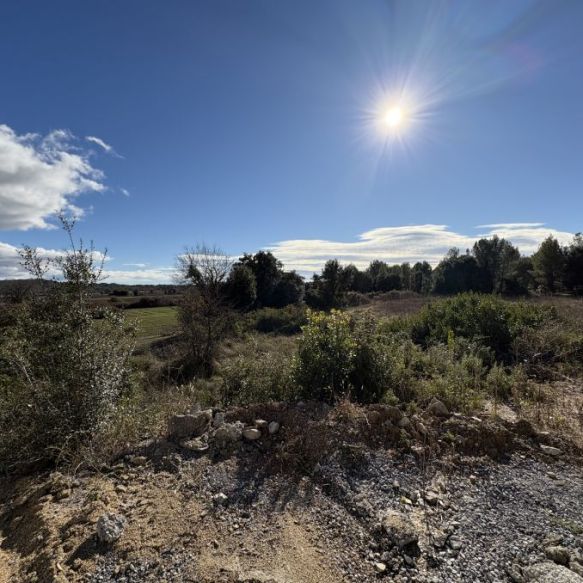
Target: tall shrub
(63,365)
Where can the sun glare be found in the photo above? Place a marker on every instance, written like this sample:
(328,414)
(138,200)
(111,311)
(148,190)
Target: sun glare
(394,118)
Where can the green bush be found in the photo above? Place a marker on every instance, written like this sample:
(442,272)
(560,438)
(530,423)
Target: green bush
(483,319)
(353,299)
(339,355)
(62,369)
(325,357)
(455,380)
(64,372)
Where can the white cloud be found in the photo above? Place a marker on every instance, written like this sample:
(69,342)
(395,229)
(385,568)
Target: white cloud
(41,176)
(307,256)
(408,243)
(125,192)
(107,148)
(152,275)
(10,261)
(10,268)
(100,143)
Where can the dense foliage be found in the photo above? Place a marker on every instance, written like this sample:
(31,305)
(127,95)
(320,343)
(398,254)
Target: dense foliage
(492,266)
(63,365)
(482,319)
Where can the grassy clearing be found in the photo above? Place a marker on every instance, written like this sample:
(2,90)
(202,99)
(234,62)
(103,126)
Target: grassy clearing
(153,323)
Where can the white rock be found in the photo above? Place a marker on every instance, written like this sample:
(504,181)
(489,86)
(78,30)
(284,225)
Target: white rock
(195,444)
(251,433)
(399,528)
(380,567)
(219,419)
(261,424)
(548,572)
(549,450)
(273,427)
(220,499)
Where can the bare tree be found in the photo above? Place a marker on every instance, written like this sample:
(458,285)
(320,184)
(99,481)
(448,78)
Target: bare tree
(204,312)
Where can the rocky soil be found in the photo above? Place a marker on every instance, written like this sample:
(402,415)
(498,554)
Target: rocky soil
(308,494)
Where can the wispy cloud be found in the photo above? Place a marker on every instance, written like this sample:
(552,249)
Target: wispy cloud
(125,192)
(100,143)
(406,243)
(40,176)
(108,148)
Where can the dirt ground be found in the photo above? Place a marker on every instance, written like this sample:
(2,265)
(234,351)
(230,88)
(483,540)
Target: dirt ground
(304,505)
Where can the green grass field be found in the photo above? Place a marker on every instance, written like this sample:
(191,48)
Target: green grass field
(153,323)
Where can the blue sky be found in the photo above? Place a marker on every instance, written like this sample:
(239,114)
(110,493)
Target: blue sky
(252,124)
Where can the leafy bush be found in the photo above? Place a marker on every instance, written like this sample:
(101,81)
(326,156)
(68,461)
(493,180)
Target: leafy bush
(483,319)
(374,362)
(325,357)
(62,370)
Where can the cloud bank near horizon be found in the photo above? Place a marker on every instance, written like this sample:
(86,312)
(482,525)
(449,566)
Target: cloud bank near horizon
(11,268)
(307,256)
(406,244)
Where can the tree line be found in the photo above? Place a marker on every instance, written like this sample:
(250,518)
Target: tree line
(216,287)
(492,265)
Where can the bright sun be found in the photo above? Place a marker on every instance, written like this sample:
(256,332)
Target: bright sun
(394,118)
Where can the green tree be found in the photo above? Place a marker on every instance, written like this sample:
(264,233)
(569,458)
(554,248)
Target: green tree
(406,275)
(574,265)
(377,271)
(456,273)
(330,284)
(421,277)
(549,264)
(362,282)
(348,277)
(288,290)
(267,270)
(241,287)
(495,258)
(520,277)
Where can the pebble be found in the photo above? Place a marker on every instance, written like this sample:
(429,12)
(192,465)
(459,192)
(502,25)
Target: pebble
(251,433)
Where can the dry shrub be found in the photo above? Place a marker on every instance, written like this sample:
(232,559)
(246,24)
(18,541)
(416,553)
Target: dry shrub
(555,407)
(554,348)
(63,365)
